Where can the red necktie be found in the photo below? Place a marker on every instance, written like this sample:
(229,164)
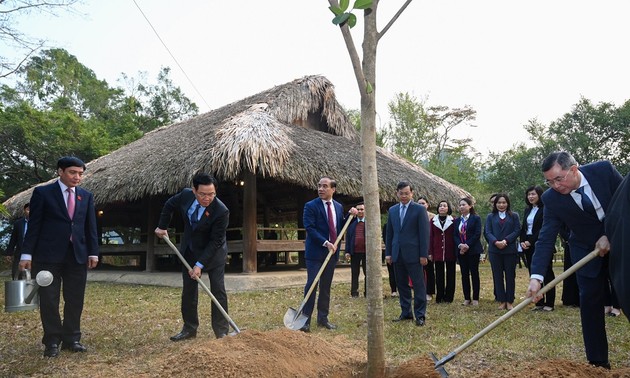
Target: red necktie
(70,206)
(331,224)
(70,203)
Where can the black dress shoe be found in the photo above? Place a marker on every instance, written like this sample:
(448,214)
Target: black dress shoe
(402,318)
(183,335)
(306,328)
(605,364)
(420,321)
(51,350)
(327,325)
(73,346)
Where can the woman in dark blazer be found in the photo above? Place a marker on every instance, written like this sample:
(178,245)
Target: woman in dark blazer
(501,231)
(467,238)
(532,223)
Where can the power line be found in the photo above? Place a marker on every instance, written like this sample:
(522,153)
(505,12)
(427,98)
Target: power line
(172,56)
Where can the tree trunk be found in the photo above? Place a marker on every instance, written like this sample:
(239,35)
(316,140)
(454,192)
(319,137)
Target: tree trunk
(369,176)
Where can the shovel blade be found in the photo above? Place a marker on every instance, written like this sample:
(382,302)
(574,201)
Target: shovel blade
(294,320)
(439,366)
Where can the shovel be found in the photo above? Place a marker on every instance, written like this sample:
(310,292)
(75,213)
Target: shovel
(295,319)
(214,299)
(44,278)
(439,364)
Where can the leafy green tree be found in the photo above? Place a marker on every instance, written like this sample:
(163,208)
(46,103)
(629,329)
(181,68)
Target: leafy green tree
(59,107)
(161,103)
(594,132)
(590,132)
(423,135)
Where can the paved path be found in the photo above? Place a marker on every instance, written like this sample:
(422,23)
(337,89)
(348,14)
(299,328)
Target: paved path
(234,282)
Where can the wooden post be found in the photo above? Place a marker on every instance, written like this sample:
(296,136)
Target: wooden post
(250,262)
(151,225)
(302,199)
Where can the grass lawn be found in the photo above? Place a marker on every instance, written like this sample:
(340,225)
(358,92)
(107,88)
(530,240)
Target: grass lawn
(120,321)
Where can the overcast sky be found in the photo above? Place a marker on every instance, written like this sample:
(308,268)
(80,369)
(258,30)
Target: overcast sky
(511,61)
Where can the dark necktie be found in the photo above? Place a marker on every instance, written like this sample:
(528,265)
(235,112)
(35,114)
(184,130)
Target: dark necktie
(194,217)
(403,211)
(332,231)
(587,204)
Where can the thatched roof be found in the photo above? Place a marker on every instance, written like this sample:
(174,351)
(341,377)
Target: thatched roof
(265,134)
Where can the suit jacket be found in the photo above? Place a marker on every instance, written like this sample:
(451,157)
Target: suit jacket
(350,234)
(409,241)
(473,234)
(207,243)
(538,220)
(50,226)
(14,248)
(316,224)
(618,231)
(585,228)
(509,231)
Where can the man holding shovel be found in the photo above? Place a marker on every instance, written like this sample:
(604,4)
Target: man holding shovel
(203,246)
(580,199)
(323,220)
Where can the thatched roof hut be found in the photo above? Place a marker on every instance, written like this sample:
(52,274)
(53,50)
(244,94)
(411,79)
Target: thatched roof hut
(285,137)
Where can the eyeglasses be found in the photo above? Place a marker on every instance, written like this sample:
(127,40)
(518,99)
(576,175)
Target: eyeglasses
(557,180)
(206,195)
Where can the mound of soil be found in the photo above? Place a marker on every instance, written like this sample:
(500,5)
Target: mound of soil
(279,353)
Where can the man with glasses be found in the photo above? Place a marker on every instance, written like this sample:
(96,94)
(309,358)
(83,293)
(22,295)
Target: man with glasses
(355,250)
(203,246)
(580,198)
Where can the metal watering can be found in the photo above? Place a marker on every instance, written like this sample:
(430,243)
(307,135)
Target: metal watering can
(21,295)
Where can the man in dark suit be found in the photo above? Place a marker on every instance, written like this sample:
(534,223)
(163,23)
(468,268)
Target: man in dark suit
(355,250)
(323,221)
(204,247)
(407,247)
(62,239)
(14,249)
(580,199)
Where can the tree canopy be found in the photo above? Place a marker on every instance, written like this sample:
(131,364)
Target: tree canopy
(60,107)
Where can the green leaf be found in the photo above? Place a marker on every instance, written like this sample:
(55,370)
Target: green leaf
(363,4)
(368,88)
(336,10)
(352,20)
(344,4)
(340,19)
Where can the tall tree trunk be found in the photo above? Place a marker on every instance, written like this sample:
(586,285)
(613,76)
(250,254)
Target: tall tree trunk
(369,176)
(365,74)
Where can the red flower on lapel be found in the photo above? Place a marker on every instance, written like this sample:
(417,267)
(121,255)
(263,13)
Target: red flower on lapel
(207,213)
(78,198)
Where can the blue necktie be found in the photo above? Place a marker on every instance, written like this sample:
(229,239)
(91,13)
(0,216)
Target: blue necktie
(587,204)
(194,217)
(403,209)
